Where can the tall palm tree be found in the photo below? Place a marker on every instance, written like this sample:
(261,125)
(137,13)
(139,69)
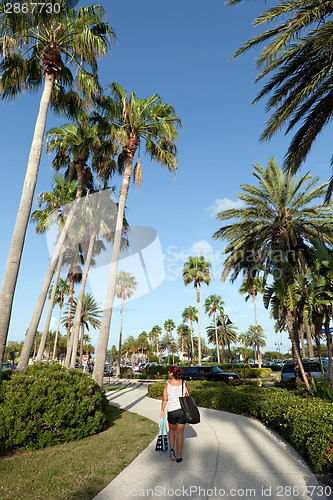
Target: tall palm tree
(297,58)
(255,338)
(142,343)
(90,315)
(212,304)
(32,49)
(197,270)
(190,314)
(183,332)
(125,287)
(281,209)
(131,121)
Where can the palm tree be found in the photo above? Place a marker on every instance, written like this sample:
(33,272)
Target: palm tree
(131,120)
(168,341)
(154,335)
(90,315)
(33,57)
(255,338)
(281,208)
(183,332)
(62,289)
(190,314)
(297,58)
(212,303)
(196,269)
(125,286)
(142,343)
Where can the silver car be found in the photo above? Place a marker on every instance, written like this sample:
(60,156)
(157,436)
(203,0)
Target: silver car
(312,368)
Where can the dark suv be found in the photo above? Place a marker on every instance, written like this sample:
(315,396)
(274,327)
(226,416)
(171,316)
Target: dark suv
(207,373)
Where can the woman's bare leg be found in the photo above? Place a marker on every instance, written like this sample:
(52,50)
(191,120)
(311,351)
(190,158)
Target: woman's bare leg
(172,432)
(180,439)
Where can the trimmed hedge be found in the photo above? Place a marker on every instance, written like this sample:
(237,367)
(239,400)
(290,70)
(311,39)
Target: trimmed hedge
(46,405)
(304,421)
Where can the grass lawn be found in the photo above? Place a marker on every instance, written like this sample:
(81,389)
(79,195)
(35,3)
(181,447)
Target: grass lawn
(80,469)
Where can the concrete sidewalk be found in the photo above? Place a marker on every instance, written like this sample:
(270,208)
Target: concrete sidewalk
(225,456)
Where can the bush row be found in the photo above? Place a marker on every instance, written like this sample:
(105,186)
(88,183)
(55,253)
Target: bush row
(46,405)
(304,421)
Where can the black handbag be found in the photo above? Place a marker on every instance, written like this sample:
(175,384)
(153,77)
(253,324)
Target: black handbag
(190,410)
(162,438)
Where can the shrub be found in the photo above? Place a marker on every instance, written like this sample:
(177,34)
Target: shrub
(306,422)
(46,405)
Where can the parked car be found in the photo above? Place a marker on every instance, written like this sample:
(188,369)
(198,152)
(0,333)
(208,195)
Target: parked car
(108,372)
(312,369)
(8,366)
(207,373)
(139,367)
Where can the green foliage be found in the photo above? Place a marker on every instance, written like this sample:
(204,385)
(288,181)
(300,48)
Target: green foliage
(320,388)
(306,422)
(46,405)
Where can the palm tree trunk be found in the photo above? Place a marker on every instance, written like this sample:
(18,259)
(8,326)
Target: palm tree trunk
(223,352)
(120,334)
(256,325)
(103,338)
(81,344)
(49,311)
(29,340)
(199,334)
(69,312)
(329,347)
(77,318)
(22,219)
(192,344)
(301,333)
(318,326)
(292,325)
(56,336)
(217,339)
(309,340)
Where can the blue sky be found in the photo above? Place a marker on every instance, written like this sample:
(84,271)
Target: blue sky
(181,50)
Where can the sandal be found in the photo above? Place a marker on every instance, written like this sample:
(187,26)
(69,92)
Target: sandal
(172,454)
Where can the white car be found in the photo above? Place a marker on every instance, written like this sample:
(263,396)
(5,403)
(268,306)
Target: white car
(312,368)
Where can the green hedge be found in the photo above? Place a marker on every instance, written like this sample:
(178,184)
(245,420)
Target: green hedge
(46,405)
(304,421)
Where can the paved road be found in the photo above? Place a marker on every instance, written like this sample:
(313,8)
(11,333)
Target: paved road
(225,456)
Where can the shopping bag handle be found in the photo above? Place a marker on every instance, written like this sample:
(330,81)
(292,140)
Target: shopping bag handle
(163,426)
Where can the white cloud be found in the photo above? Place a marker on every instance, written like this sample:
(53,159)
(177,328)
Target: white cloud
(223,204)
(202,248)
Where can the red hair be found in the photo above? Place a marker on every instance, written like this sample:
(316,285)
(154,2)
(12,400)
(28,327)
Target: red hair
(176,371)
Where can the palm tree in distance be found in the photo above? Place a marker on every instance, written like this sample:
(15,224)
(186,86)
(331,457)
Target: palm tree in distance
(90,315)
(62,289)
(131,121)
(168,341)
(252,286)
(197,270)
(254,337)
(33,57)
(154,335)
(212,304)
(190,314)
(297,59)
(125,287)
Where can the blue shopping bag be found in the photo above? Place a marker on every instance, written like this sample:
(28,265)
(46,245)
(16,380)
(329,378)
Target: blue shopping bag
(162,438)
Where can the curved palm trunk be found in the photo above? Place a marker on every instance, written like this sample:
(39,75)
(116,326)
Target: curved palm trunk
(56,336)
(41,348)
(199,334)
(318,326)
(22,219)
(77,319)
(120,334)
(254,293)
(103,338)
(217,339)
(30,337)
(223,352)
(69,312)
(301,333)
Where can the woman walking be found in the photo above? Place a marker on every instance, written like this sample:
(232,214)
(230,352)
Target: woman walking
(171,393)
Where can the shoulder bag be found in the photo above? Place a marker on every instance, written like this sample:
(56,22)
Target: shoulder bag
(189,407)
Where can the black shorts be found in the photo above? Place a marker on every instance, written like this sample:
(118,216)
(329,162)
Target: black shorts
(176,417)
